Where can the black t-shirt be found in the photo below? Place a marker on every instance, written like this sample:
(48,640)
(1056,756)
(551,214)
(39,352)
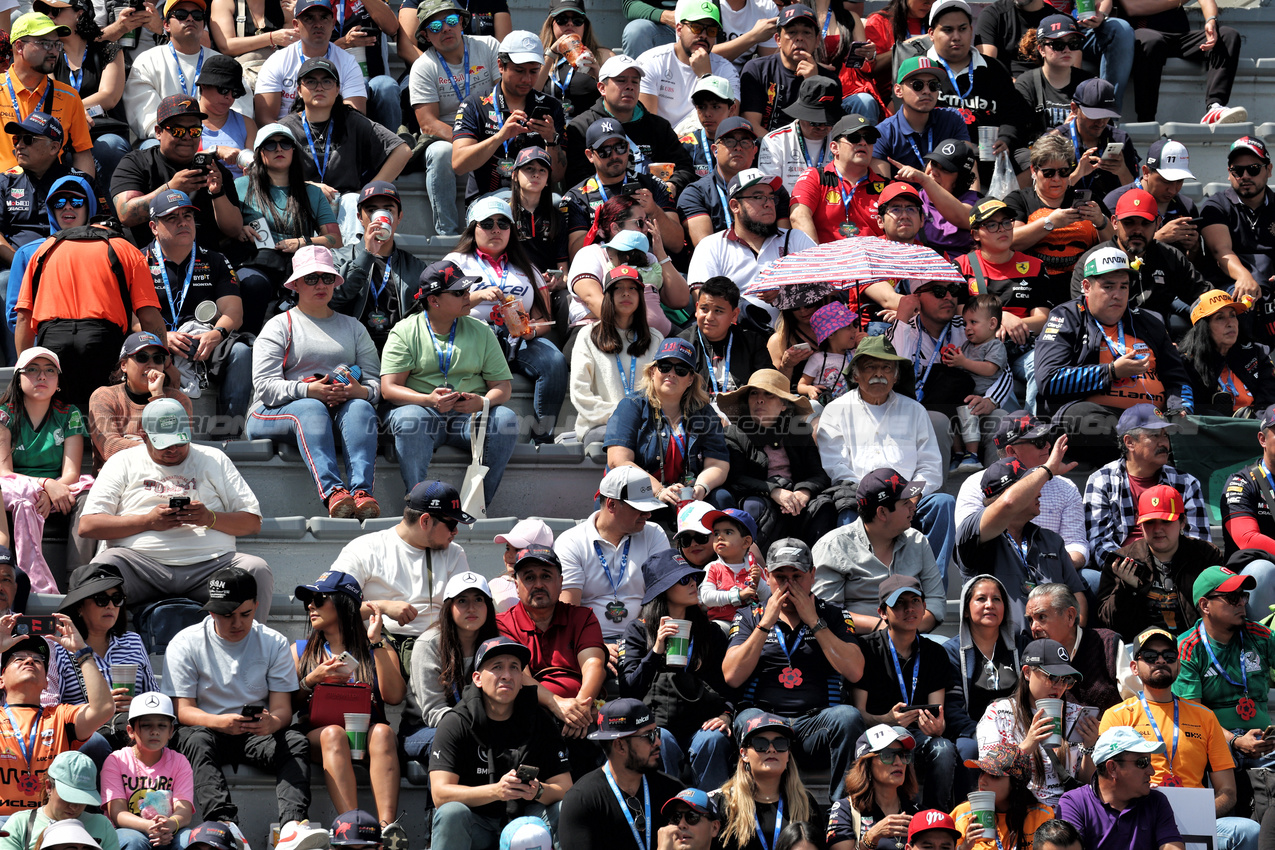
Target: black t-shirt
(1049,106)
(583,200)
(1002,25)
(23,215)
(841,823)
(482,14)
(766,86)
(481,116)
(578,92)
(535,232)
(146,170)
(1252,232)
(992,680)
(592,817)
(880,679)
(359,147)
(1100,181)
(1242,498)
(1180,206)
(211,279)
(767,816)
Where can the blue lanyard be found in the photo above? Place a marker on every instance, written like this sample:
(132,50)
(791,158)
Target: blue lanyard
(929,145)
(451,351)
(1204,639)
(1173,754)
(601,190)
(1021,549)
(922,377)
(175,306)
(823,151)
(704,146)
(1269,478)
(77,77)
(1118,348)
(1228,384)
(464,68)
(730,220)
(385,281)
(498,97)
(708,359)
(907,693)
(27,745)
(846,199)
(624,563)
(629,384)
(624,807)
(952,78)
(564,85)
(826,22)
(181,75)
(779,825)
(17,110)
(327,145)
(796,643)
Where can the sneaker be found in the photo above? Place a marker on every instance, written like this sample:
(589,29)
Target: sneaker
(393,835)
(340,504)
(365,507)
(1219,114)
(969,463)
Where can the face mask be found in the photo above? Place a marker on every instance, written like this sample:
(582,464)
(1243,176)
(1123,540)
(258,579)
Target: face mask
(652,276)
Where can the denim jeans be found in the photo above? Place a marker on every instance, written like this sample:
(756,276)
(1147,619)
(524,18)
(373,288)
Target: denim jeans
(862,104)
(383,104)
(418,431)
(936,518)
(712,756)
(1112,44)
(312,427)
(542,361)
(236,385)
(108,150)
(457,827)
(1024,369)
(1234,833)
(641,35)
(826,738)
(131,839)
(440,187)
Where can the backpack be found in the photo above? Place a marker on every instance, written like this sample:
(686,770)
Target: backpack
(87,233)
(160,621)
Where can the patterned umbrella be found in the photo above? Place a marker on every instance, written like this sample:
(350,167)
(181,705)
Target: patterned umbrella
(848,263)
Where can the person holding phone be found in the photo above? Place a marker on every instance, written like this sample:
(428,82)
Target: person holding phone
(1104,154)
(1164,171)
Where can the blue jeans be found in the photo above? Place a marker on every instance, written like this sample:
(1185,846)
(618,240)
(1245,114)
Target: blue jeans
(236,384)
(542,361)
(712,756)
(457,827)
(418,431)
(108,150)
(309,424)
(936,518)
(641,35)
(1237,833)
(823,739)
(862,104)
(383,104)
(440,187)
(131,839)
(1024,369)
(1112,44)
(1092,578)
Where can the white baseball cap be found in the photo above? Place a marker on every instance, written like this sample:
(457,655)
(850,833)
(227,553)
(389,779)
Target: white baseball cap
(32,353)
(1123,739)
(459,583)
(527,532)
(521,47)
(631,485)
(1170,159)
(617,65)
(150,703)
(697,518)
(1105,261)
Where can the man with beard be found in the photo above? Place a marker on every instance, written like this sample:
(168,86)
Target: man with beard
(754,239)
(613,804)
(839,199)
(1165,282)
(704,204)
(1239,223)
(1199,742)
(669,71)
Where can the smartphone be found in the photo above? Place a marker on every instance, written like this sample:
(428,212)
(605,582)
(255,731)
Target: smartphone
(370,29)
(95,111)
(1080,198)
(1268,733)
(1197,223)
(1112,149)
(802,346)
(541,113)
(1073,736)
(853,59)
(203,161)
(139,5)
(526,773)
(932,709)
(631,187)
(35,626)
(348,661)
(179,502)
(252,712)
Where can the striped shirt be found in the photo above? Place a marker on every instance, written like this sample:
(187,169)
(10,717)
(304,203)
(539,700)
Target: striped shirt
(127,649)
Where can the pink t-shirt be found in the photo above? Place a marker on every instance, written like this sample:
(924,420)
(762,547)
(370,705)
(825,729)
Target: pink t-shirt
(125,777)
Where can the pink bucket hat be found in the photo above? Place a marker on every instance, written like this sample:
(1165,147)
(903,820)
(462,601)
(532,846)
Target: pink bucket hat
(308,260)
(831,318)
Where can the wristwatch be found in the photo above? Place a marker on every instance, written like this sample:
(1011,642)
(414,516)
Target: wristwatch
(819,626)
(1048,225)
(225,334)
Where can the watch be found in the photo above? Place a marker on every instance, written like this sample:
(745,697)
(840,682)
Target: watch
(380,643)
(86,652)
(225,334)
(819,626)
(1048,225)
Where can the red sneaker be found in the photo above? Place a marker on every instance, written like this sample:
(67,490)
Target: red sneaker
(340,503)
(365,507)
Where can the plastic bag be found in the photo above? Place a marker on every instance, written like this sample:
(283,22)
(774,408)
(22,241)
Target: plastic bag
(1003,181)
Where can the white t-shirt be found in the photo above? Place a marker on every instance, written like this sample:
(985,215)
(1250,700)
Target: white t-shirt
(429,81)
(155,76)
(718,255)
(740,23)
(594,261)
(514,283)
(388,567)
(667,77)
(279,74)
(582,571)
(131,484)
(781,154)
(222,677)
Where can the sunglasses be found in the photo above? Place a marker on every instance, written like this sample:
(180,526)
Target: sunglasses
(38,371)
(890,756)
(103,599)
(60,203)
(862,137)
(1065,681)
(923,85)
(495,224)
(680,369)
(437,26)
(1151,656)
(692,537)
(224,91)
(616,149)
(1064,44)
(1041,442)
(26,139)
(317,278)
(185,132)
(183,14)
(691,817)
(278,145)
(1235,598)
(1141,762)
(1251,170)
(686,580)
(951,289)
(159,358)
(702,29)
(765,745)
(1051,173)
(449,522)
(573,20)
(650,737)
(318,600)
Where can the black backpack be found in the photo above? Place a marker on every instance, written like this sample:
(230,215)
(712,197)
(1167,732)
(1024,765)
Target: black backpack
(87,233)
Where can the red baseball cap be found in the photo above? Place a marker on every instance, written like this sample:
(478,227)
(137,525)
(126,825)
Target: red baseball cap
(1160,502)
(1137,202)
(896,189)
(932,819)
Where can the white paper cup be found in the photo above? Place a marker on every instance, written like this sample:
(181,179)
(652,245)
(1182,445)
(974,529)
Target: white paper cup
(1053,708)
(356,730)
(124,676)
(678,653)
(986,139)
(983,810)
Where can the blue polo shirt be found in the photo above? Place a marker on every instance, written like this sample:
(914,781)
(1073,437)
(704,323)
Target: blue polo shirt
(1147,824)
(895,132)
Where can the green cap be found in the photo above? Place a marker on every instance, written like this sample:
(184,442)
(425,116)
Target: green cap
(166,424)
(430,8)
(1105,261)
(917,65)
(36,24)
(697,10)
(878,347)
(1216,579)
(718,87)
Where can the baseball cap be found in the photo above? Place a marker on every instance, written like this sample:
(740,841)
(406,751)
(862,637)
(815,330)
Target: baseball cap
(697,10)
(944,6)
(794,12)
(1105,261)
(621,272)
(485,208)
(355,827)
(71,830)
(135,342)
(34,24)
(749,177)
(1162,501)
(538,555)
(789,552)
(380,189)
(1170,159)
(329,582)
(306,5)
(629,240)
(1212,301)
(438,498)
(1020,425)
(932,819)
(985,209)
(501,645)
(894,586)
(1150,634)
(877,738)
(631,486)
(1249,144)
(459,583)
(694,799)
(1216,579)
(526,532)
(557,7)
(1000,476)
(697,518)
(37,124)
(617,65)
(1050,656)
(621,718)
(526,833)
(318,63)
(1137,203)
(765,722)
(35,352)
(1055,26)
(718,87)
(268,132)
(743,519)
(1145,416)
(444,276)
(675,348)
(150,703)
(664,569)
(1096,98)
(603,130)
(215,834)
(178,106)
(919,64)
(30,643)
(1268,419)
(955,155)
(735,122)
(228,588)
(521,47)
(883,487)
(531,154)
(899,189)
(165,423)
(1123,739)
(169,201)
(75,777)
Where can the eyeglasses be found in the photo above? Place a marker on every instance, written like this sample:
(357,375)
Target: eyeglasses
(1064,44)
(60,203)
(450,522)
(702,29)
(691,817)
(178,132)
(1065,681)
(26,139)
(900,210)
(1051,173)
(616,149)
(437,26)
(1235,598)
(923,85)
(765,745)
(103,599)
(159,358)
(495,224)
(1250,170)
(44,43)
(860,137)
(317,278)
(951,289)
(319,83)
(572,20)
(761,199)
(890,756)
(183,14)
(680,369)
(1151,656)
(278,145)
(730,143)
(39,371)
(997,226)
(1141,762)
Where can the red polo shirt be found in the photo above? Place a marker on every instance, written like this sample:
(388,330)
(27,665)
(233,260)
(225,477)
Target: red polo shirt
(555,652)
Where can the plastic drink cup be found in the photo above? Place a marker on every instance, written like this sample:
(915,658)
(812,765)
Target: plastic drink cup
(124,676)
(679,646)
(986,139)
(1053,708)
(983,810)
(356,730)
(1086,9)
(382,223)
(571,48)
(663,170)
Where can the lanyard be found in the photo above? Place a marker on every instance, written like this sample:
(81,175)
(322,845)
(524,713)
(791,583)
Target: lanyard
(1204,639)
(624,564)
(385,281)
(846,199)
(464,68)
(796,642)
(1226,381)
(929,144)
(181,75)
(624,807)
(47,97)
(327,145)
(27,745)
(708,356)
(175,307)
(826,22)
(1173,754)
(704,146)
(952,78)
(492,277)
(443,367)
(779,821)
(801,145)
(1020,549)
(77,77)
(498,96)
(922,377)
(1269,478)
(629,384)
(721,194)
(908,694)
(1118,348)
(601,190)
(564,85)
(1075,142)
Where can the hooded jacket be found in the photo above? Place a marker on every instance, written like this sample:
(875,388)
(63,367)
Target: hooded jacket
(964,658)
(23,255)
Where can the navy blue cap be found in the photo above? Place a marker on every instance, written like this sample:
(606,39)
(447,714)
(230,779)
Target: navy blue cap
(603,129)
(1020,425)
(444,276)
(332,581)
(537,554)
(694,799)
(501,646)
(744,518)
(796,12)
(303,5)
(355,827)
(137,341)
(675,348)
(169,200)
(532,154)
(1146,416)
(215,834)
(621,718)
(765,722)
(38,124)
(380,189)
(998,477)
(1056,26)
(664,569)
(437,497)
(883,487)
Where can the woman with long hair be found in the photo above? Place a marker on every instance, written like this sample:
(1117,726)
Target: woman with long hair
(794,340)
(576,87)
(341,650)
(539,220)
(1003,769)
(115,410)
(984,659)
(1018,721)
(766,790)
(1230,374)
(687,697)
(881,793)
(609,355)
(277,197)
(488,250)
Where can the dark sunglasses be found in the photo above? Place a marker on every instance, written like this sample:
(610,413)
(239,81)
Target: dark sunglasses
(103,599)
(573,20)
(60,203)
(159,358)
(923,85)
(1141,762)
(318,600)
(1064,44)
(692,537)
(1235,598)
(437,26)
(665,367)
(891,756)
(951,289)
(26,139)
(184,132)
(687,579)
(691,817)
(183,14)
(862,137)
(1151,656)
(1051,173)
(224,91)
(317,278)
(650,737)
(1065,681)
(278,145)
(765,745)
(1250,170)
(616,149)
(447,521)
(495,224)
(1041,442)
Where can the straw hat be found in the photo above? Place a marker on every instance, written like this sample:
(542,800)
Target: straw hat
(735,403)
